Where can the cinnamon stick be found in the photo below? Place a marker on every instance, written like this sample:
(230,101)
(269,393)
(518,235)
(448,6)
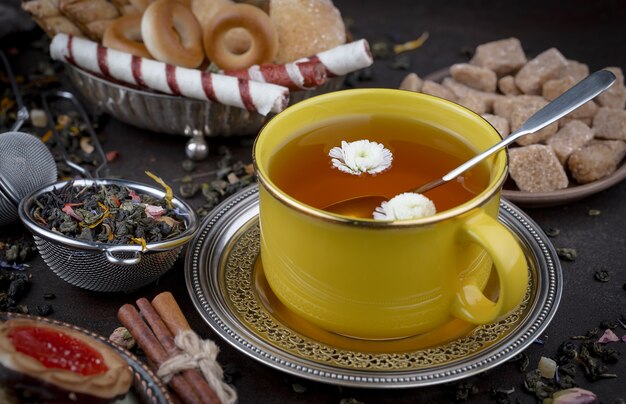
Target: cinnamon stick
(165,304)
(131,319)
(163,334)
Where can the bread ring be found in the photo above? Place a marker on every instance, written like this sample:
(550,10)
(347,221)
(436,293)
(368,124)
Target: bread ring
(172,34)
(124,34)
(263,44)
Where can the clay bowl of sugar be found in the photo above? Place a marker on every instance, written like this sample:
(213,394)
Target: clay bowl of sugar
(579,155)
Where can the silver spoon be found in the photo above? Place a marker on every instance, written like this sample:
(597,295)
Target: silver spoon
(587,89)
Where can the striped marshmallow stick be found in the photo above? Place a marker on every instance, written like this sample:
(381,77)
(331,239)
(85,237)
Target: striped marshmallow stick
(110,63)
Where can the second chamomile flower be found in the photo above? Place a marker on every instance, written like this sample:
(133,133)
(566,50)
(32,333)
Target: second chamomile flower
(408,205)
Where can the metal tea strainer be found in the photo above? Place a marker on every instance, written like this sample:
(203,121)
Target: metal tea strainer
(96,266)
(26,163)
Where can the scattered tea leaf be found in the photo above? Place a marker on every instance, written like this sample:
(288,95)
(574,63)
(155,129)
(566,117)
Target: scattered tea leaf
(350,400)
(298,388)
(401,62)
(602,276)
(552,232)
(568,254)
(522,361)
(49,296)
(380,49)
(44,310)
(464,390)
(188,165)
(594,212)
(608,324)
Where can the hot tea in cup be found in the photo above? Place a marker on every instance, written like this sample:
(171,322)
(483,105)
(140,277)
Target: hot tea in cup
(367,278)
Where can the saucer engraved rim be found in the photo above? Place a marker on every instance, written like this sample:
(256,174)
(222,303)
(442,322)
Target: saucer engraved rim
(204,273)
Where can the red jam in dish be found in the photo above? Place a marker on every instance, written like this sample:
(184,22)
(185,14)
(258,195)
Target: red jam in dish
(56,350)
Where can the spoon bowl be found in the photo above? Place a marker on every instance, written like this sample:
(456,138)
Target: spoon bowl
(584,91)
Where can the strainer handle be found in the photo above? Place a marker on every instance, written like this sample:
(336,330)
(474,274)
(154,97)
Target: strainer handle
(22,111)
(109,253)
(88,127)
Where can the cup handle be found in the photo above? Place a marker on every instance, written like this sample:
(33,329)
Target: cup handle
(470,304)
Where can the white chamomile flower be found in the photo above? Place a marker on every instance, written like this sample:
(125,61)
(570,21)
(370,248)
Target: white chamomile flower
(361,156)
(408,205)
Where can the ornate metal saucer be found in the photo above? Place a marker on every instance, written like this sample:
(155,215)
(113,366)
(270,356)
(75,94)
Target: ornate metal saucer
(227,285)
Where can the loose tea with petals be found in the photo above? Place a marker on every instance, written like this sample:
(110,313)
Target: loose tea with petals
(107,214)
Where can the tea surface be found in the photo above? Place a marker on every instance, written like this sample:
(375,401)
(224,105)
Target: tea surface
(421,153)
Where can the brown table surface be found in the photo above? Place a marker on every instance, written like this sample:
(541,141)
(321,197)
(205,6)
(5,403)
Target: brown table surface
(588,31)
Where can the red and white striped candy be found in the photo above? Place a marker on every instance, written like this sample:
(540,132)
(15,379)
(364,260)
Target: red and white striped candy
(295,76)
(344,59)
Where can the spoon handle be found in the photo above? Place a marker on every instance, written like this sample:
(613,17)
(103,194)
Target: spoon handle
(573,98)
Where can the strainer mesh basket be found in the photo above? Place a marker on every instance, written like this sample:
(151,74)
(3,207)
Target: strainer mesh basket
(105,267)
(92,271)
(25,165)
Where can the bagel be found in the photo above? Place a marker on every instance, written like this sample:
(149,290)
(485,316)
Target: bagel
(124,34)
(263,39)
(172,34)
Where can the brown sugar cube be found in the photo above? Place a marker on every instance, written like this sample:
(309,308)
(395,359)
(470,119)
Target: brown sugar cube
(536,168)
(596,160)
(609,123)
(501,124)
(567,119)
(575,69)
(474,103)
(504,106)
(547,65)
(504,57)
(614,96)
(463,91)
(555,87)
(521,113)
(412,82)
(477,77)
(571,137)
(432,88)
(507,86)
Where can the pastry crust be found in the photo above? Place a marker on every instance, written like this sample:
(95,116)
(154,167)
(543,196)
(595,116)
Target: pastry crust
(91,16)
(47,15)
(28,371)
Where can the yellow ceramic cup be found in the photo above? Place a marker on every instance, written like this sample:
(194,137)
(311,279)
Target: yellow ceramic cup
(378,280)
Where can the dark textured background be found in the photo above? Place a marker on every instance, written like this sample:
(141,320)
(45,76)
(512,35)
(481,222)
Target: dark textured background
(589,31)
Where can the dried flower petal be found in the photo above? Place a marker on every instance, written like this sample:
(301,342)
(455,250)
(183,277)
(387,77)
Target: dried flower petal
(547,367)
(608,336)
(574,395)
(134,196)
(68,210)
(153,211)
(169,195)
(361,156)
(408,205)
(411,45)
